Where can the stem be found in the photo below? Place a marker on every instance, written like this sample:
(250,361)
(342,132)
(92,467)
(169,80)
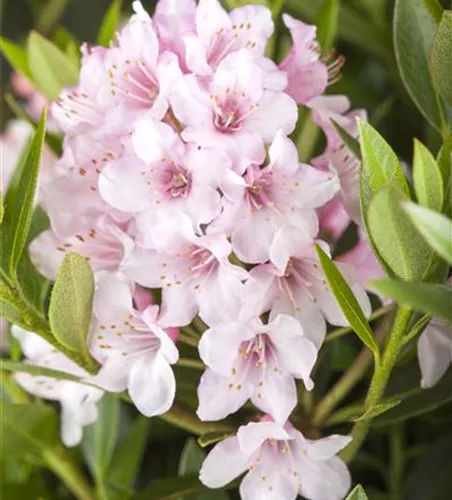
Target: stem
(187,338)
(396,461)
(59,462)
(340,332)
(191,363)
(379,381)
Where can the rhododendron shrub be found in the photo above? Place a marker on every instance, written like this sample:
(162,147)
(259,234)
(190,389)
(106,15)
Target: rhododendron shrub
(195,219)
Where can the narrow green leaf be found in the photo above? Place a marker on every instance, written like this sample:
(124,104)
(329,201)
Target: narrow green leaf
(357,493)
(189,422)
(428,182)
(327,24)
(191,458)
(51,68)
(441,60)
(347,301)
(110,23)
(434,227)
(444,160)
(19,202)
(349,140)
(50,14)
(414,31)
(99,439)
(2,207)
(376,410)
(396,239)
(129,452)
(429,298)
(71,303)
(435,9)
(212,438)
(16,56)
(28,428)
(11,313)
(39,371)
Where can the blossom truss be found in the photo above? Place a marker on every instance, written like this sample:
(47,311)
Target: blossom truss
(78,400)
(280,463)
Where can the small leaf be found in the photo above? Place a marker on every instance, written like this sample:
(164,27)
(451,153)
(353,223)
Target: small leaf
(129,452)
(28,428)
(349,140)
(110,23)
(395,238)
(429,298)
(40,371)
(212,438)
(189,422)
(347,301)
(444,160)
(99,439)
(441,60)
(19,202)
(327,24)
(191,458)
(51,68)
(376,410)
(16,56)
(428,182)
(434,227)
(435,9)
(71,303)
(414,32)
(357,493)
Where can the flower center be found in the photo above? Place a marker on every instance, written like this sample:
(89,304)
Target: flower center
(201,260)
(259,191)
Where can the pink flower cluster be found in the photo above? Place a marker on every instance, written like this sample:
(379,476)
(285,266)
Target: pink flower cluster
(178,174)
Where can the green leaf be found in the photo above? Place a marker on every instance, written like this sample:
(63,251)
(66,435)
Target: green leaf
(110,23)
(172,488)
(440,58)
(189,422)
(424,401)
(357,493)
(428,182)
(16,56)
(434,227)
(28,428)
(347,301)
(349,140)
(191,458)
(51,68)
(376,410)
(414,31)
(129,452)
(71,303)
(397,242)
(435,9)
(212,438)
(429,298)
(444,160)
(327,24)
(50,14)
(19,202)
(99,439)
(2,207)
(39,371)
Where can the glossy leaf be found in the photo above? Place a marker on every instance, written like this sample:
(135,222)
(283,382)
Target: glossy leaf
(16,56)
(347,301)
(414,32)
(327,24)
(357,493)
(99,439)
(71,303)
(19,202)
(51,68)
(349,140)
(397,241)
(110,23)
(428,182)
(441,58)
(434,227)
(28,428)
(129,452)
(376,410)
(429,298)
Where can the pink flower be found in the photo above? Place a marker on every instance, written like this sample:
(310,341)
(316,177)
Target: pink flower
(97,238)
(168,177)
(194,272)
(219,33)
(434,352)
(135,351)
(238,111)
(293,283)
(78,401)
(280,464)
(249,360)
(266,198)
(307,74)
(333,219)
